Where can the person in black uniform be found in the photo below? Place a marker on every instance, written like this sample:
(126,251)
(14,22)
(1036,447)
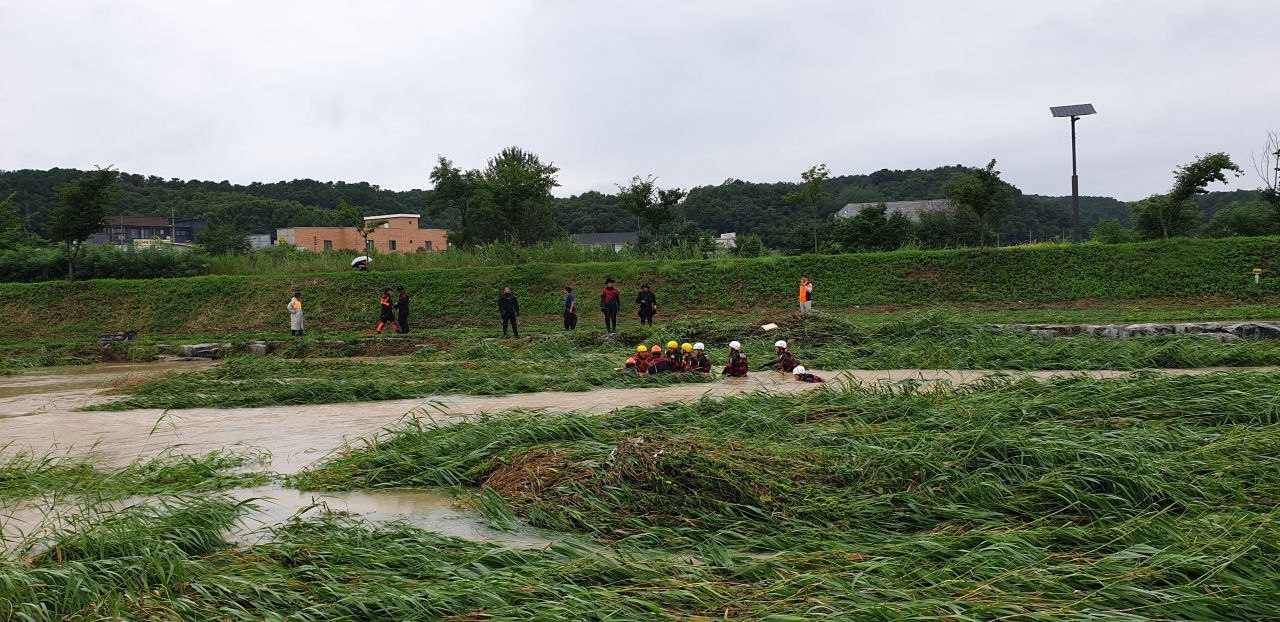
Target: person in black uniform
(648,304)
(509,308)
(402,309)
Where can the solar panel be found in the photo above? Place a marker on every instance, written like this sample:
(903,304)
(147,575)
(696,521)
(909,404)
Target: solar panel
(1078,110)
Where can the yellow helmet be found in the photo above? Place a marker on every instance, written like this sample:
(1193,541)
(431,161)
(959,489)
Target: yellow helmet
(672,344)
(686,346)
(642,348)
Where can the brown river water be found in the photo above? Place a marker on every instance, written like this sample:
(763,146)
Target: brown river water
(39,414)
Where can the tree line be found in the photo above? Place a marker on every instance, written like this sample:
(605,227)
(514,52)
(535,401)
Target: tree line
(509,199)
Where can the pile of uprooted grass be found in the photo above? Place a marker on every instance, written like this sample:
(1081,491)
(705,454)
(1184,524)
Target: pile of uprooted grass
(1144,497)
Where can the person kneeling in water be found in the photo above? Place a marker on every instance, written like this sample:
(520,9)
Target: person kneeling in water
(661,363)
(737,366)
(698,361)
(803,375)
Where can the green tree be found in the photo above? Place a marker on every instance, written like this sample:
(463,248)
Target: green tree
(646,201)
(85,205)
(352,216)
(455,190)
(12,231)
(749,245)
(1174,214)
(983,194)
(1241,218)
(517,186)
(1112,231)
(871,230)
(811,195)
(224,240)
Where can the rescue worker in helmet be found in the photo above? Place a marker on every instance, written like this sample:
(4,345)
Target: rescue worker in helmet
(783,359)
(686,354)
(673,353)
(697,360)
(660,362)
(642,359)
(803,375)
(737,367)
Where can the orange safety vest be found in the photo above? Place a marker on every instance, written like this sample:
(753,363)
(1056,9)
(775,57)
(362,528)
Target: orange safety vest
(804,292)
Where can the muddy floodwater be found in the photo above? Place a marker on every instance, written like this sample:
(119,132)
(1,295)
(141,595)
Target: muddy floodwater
(274,505)
(39,412)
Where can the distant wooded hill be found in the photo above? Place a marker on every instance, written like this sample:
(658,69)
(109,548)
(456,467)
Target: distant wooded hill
(733,205)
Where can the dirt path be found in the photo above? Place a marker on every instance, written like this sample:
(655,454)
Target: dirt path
(38,412)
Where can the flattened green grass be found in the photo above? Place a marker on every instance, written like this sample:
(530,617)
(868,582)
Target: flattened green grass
(583,361)
(1149,497)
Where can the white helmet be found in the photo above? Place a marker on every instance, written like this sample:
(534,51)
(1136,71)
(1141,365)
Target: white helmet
(779,344)
(699,346)
(798,370)
(733,345)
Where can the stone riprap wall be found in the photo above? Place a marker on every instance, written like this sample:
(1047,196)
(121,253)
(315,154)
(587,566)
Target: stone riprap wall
(1222,331)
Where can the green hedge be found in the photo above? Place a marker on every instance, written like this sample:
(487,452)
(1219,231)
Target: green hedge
(1171,269)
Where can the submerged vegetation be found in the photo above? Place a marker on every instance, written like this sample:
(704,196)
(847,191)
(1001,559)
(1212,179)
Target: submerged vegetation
(1138,498)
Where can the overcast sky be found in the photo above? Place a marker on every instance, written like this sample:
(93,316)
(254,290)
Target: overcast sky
(692,92)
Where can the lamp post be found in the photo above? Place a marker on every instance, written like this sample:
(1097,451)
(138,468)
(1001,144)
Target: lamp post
(1075,112)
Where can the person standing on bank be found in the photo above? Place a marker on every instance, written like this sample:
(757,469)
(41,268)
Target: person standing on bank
(295,315)
(610,302)
(402,310)
(648,304)
(509,309)
(806,294)
(570,309)
(386,312)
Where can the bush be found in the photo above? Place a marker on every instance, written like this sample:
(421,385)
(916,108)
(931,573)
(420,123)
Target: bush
(1110,231)
(1241,218)
(100,262)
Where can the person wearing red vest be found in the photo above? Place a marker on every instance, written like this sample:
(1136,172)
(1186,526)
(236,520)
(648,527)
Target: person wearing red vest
(661,363)
(783,359)
(803,375)
(610,302)
(698,361)
(737,366)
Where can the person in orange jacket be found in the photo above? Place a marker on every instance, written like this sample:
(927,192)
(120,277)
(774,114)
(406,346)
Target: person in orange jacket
(387,313)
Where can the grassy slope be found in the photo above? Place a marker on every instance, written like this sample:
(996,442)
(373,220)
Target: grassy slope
(1219,269)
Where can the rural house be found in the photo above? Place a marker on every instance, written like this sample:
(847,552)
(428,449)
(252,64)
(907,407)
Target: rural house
(617,241)
(399,234)
(910,209)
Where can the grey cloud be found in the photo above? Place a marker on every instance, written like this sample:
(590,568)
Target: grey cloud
(694,92)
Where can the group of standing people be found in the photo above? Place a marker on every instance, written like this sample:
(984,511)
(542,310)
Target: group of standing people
(394,310)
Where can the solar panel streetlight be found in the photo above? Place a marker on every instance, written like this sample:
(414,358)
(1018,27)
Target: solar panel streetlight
(1075,112)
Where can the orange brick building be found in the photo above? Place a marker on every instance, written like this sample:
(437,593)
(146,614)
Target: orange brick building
(400,234)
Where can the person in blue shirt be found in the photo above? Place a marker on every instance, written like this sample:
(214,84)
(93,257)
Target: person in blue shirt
(570,309)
